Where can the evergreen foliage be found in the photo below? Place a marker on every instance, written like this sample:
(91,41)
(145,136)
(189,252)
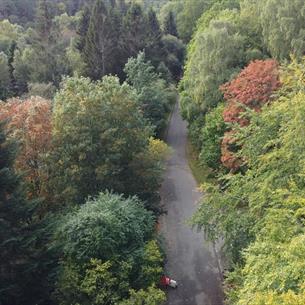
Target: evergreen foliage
(152,94)
(101,51)
(170,27)
(15,225)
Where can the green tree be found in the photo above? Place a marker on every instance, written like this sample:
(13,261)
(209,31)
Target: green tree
(8,34)
(211,137)
(151,90)
(215,54)
(94,149)
(282,26)
(101,51)
(11,55)
(135,30)
(175,52)
(44,20)
(187,18)
(106,251)
(106,227)
(82,29)
(16,265)
(95,282)
(5,76)
(154,49)
(151,296)
(170,25)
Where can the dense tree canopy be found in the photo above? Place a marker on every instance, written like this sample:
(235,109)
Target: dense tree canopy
(93,148)
(86,90)
(107,251)
(282,25)
(271,190)
(251,89)
(151,89)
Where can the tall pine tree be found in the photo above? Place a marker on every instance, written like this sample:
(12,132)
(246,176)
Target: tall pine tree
(154,50)
(136,29)
(101,50)
(13,90)
(14,217)
(83,29)
(170,26)
(44,21)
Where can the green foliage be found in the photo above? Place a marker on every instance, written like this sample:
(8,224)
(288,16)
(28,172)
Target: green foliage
(187,19)
(5,76)
(18,268)
(135,27)
(147,171)
(106,227)
(261,212)
(151,90)
(211,138)
(42,89)
(170,27)
(107,251)
(8,33)
(151,270)
(214,56)
(175,52)
(18,11)
(154,50)
(186,14)
(101,51)
(151,296)
(95,283)
(98,133)
(282,25)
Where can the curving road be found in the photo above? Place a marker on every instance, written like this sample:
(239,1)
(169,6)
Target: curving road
(190,259)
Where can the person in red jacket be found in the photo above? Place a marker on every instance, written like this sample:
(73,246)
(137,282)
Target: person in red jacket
(167,281)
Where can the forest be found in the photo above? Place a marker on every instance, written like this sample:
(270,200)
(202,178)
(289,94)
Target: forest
(86,93)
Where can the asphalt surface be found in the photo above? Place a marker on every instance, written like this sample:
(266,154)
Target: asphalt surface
(191,261)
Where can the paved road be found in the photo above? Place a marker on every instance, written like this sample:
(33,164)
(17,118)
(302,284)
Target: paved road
(190,259)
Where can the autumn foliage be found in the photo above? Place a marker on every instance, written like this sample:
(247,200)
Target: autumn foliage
(252,88)
(29,124)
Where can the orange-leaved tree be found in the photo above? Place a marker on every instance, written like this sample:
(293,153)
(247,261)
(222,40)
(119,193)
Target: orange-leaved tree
(29,124)
(251,89)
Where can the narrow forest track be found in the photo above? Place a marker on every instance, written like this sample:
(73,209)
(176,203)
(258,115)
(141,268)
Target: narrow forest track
(190,259)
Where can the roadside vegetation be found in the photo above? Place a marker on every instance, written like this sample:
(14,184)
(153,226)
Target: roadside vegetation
(243,96)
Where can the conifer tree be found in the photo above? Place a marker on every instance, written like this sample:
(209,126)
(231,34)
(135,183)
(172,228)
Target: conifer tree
(101,46)
(135,25)
(170,25)
(154,50)
(44,20)
(14,214)
(13,84)
(83,29)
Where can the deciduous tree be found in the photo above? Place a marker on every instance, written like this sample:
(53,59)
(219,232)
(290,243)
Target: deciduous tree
(29,123)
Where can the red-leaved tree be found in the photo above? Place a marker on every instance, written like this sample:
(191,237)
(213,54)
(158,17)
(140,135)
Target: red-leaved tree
(252,88)
(29,123)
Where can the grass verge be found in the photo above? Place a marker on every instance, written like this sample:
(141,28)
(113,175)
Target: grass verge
(202,174)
